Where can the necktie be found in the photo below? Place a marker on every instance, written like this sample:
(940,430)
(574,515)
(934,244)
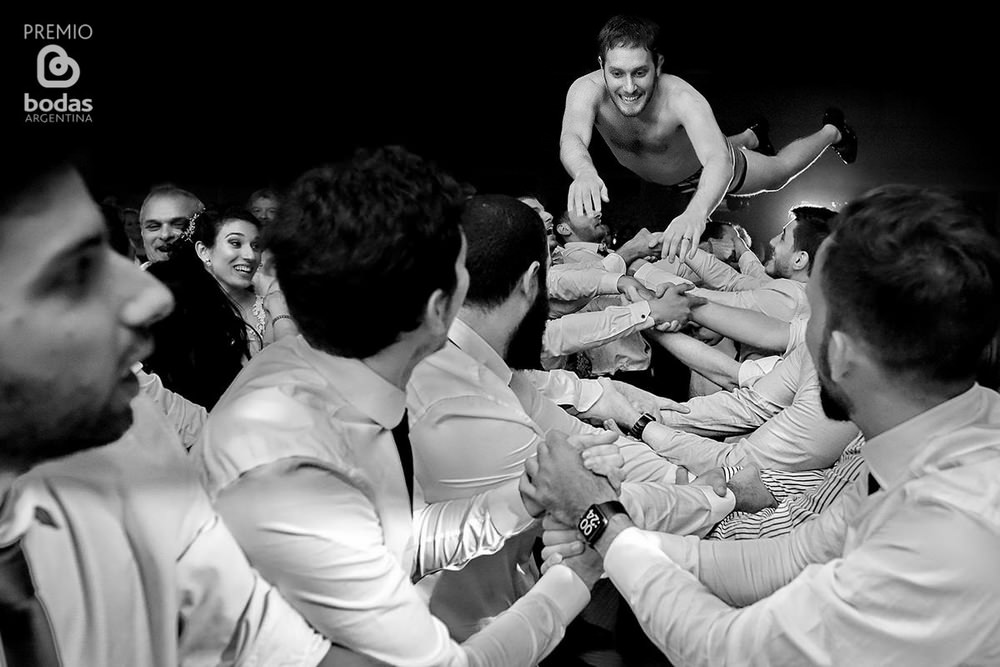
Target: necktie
(401,434)
(27,638)
(873,484)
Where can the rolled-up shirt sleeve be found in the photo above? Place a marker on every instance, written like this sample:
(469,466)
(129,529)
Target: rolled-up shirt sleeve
(582,331)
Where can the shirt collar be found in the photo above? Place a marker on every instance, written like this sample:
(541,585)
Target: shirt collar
(467,340)
(910,446)
(360,386)
(596,248)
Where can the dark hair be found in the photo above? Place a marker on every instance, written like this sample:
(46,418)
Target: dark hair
(628,32)
(913,272)
(208,224)
(117,237)
(383,223)
(35,168)
(504,237)
(201,346)
(715,229)
(812,226)
(267,193)
(563,217)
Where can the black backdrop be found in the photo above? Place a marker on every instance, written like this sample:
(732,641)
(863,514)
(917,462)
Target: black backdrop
(228,102)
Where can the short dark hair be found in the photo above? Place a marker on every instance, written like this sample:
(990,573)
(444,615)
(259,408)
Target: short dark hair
(384,223)
(209,222)
(35,168)
(913,273)
(563,217)
(504,237)
(812,226)
(624,31)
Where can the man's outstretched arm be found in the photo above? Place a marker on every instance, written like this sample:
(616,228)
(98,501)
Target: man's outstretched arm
(717,170)
(587,190)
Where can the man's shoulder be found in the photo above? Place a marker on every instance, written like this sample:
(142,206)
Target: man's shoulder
(589,87)
(448,373)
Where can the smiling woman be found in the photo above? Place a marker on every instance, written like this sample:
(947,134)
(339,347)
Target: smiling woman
(220,320)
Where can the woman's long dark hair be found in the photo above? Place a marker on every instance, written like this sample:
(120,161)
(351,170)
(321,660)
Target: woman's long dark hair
(202,345)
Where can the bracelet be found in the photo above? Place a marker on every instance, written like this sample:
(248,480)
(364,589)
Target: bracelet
(640,425)
(274,320)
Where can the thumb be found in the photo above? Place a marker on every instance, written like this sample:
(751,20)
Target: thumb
(604,193)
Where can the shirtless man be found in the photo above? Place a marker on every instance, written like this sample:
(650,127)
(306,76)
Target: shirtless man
(663,130)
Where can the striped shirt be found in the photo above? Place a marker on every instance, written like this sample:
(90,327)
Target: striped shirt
(801,496)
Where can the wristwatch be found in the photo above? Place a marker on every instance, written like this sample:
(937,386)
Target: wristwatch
(640,425)
(596,519)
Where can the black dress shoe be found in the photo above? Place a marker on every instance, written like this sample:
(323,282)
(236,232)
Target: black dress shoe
(760,128)
(847,147)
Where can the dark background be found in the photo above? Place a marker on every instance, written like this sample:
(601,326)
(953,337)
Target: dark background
(232,102)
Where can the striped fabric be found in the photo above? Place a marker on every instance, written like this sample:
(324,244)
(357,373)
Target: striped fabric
(801,496)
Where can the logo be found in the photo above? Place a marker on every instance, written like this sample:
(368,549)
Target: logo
(58,67)
(56,70)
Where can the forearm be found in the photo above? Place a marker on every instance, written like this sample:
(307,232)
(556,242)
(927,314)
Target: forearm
(710,362)
(743,325)
(450,533)
(574,155)
(716,274)
(716,175)
(696,453)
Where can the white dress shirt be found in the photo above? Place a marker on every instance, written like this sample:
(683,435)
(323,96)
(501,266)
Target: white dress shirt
(571,286)
(474,422)
(300,456)
(627,349)
(782,408)
(905,576)
(135,568)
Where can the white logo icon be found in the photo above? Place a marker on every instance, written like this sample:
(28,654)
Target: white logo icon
(57,66)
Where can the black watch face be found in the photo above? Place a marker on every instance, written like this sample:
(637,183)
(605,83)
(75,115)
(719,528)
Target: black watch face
(591,523)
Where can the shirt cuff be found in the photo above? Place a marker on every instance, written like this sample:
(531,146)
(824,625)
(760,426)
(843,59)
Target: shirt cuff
(642,317)
(630,556)
(730,471)
(721,507)
(752,369)
(561,585)
(507,511)
(614,263)
(609,282)
(590,392)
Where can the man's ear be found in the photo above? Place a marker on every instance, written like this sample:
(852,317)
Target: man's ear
(528,283)
(658,60)
(842,354)
(563,229)
(600,62)
(800,261)
(436,312)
